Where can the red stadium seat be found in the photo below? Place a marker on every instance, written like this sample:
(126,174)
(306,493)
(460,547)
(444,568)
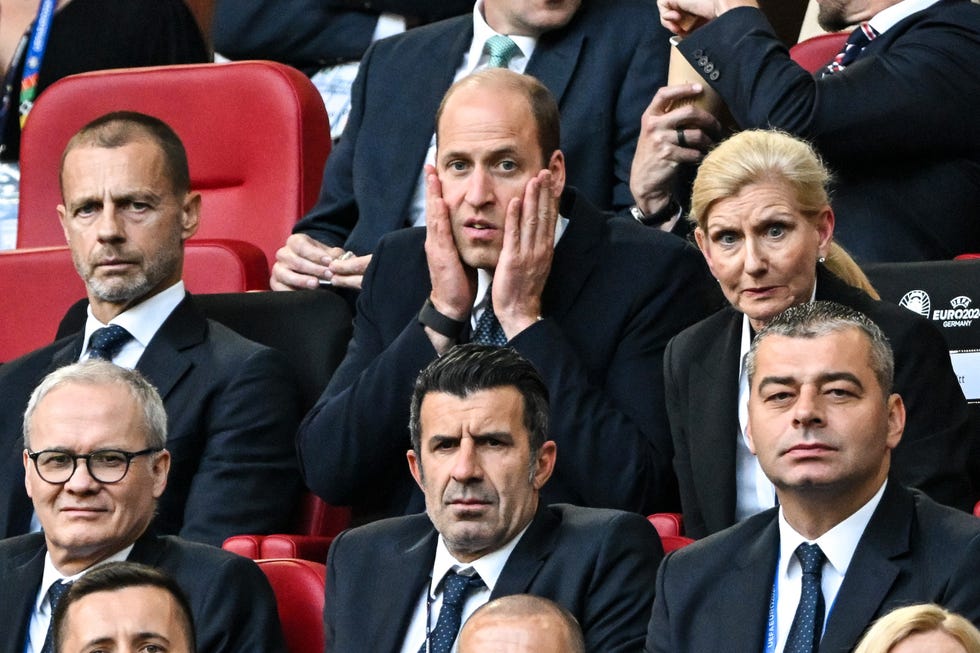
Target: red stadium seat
(299,588)
(38,285)
(816,52)
(256,133)
(667,523)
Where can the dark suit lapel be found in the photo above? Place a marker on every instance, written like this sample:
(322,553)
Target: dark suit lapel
(556,57)
(872,571)
(164,362)
(21,580)
(528,556)
(574,255)
(713,439)
(405,576)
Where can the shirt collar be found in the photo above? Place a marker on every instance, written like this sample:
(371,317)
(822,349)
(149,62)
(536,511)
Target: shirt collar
(489,566)
(51,575)
(890,16)
(476,58)
(838,544)
(143,320)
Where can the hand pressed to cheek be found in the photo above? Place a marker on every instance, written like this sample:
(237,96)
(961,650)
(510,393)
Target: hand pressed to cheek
(528,249)
(453,283)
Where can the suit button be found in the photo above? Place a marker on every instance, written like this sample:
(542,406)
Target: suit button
(709,68)
(714,76)
(702,61)
(698,53)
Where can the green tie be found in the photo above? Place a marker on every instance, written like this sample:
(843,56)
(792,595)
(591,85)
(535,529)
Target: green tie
(501,49)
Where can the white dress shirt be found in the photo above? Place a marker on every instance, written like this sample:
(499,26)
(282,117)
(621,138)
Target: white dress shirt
(37,631)
(489,567)
(838,546)
(142,321)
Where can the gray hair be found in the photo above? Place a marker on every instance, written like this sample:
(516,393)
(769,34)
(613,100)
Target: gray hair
(817,319)
(100,372)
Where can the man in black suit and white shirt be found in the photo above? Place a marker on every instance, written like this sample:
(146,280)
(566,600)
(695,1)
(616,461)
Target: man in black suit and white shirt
(480,453)
(231,403)
(95,460)
(846,545)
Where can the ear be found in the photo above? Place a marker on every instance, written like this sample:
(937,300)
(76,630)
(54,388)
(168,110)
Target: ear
(825,230)
(27,473)
(545,464)
(748,437)
(556,165)
(702,241)
(160,470)
(415,466)
(63,219)
(896,420)
(190,215)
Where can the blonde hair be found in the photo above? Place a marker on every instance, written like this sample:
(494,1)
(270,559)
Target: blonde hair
(903,622)
(766,155)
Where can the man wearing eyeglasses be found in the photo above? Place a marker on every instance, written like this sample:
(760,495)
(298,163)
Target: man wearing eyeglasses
(95,465)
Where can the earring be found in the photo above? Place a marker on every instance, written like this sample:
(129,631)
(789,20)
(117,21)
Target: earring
(821,259)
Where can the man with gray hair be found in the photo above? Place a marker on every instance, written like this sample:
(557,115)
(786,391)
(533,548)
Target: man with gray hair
(232,403)
(845,545)
(95,465)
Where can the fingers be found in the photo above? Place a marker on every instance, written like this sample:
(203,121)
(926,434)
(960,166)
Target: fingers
(302,263)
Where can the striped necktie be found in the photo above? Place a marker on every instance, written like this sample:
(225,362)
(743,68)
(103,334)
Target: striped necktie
(855,45)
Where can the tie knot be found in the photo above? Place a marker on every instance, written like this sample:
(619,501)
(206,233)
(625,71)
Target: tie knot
(811,558)
(862,35)
(455,587)
(106,342)
(501,50)
(57,591)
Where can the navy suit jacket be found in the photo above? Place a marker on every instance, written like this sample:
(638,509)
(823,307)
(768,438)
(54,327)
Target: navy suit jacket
(599,564)
(714,594)
(932,455)
(311,34)
(897,126)
(231,417)
(231,602)
(603,69)
(617,292)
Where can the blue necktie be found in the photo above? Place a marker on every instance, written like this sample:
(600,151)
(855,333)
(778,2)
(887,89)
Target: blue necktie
(488,330)
(804,634)
(106,342)
(455,587)
(501,50)
(55,593)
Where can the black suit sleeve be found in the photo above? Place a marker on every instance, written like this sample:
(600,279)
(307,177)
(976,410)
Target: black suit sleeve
(246,480)
(910,100)
(674,372)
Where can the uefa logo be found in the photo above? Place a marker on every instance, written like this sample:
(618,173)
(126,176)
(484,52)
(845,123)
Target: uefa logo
(917,301)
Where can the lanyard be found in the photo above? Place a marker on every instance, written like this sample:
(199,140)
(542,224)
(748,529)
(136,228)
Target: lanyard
(38,44)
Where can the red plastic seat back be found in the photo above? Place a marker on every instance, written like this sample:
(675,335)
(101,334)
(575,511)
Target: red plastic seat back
(817,51)
(38,285)
(256,133)
(299,586)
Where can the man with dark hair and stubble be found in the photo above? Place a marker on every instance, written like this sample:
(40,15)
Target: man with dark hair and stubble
(481,454)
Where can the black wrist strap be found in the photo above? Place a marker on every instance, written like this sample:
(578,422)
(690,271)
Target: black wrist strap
(438,322)
(668,212)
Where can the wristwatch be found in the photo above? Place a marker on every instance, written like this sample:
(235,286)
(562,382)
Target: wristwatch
(438,322)
(669,212)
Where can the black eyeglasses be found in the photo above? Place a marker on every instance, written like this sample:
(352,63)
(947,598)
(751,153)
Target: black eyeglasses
(105,466)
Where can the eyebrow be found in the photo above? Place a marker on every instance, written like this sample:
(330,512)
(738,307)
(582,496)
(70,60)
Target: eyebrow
(827,377)
(508,150)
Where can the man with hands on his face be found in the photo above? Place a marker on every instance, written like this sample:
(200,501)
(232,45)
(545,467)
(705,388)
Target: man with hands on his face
(592,313)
